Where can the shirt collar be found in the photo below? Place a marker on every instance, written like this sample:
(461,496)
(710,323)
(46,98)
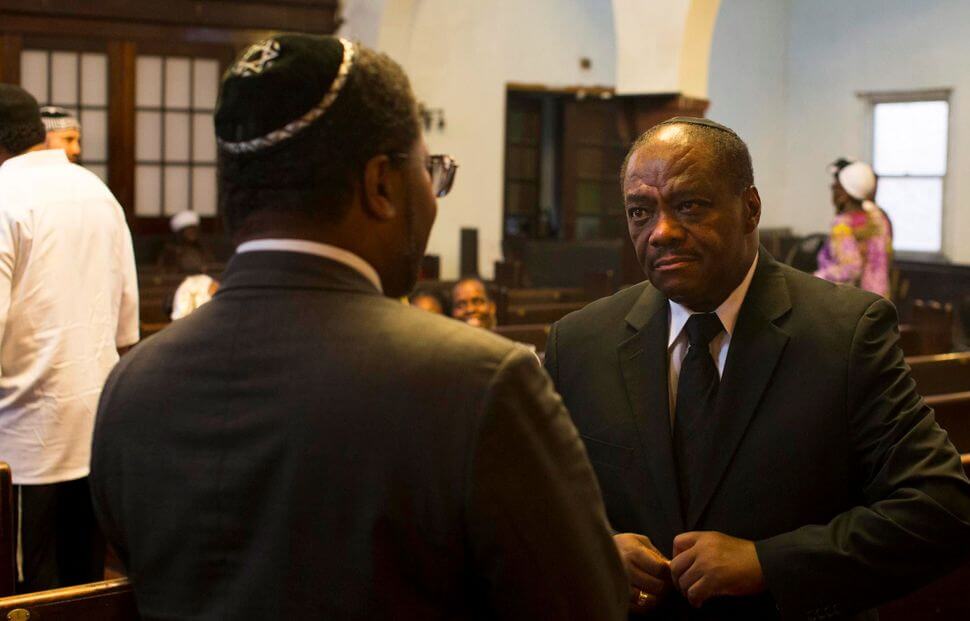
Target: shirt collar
(326,251)
(727,312)
(42,157)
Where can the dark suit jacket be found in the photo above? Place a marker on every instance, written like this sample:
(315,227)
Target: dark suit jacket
(828,458)
(302,447)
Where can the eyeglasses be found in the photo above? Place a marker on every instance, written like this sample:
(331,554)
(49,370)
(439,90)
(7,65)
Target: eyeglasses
(441,169)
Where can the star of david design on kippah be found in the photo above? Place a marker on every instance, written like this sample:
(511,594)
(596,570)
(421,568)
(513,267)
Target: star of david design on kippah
(257,58)
(295,127)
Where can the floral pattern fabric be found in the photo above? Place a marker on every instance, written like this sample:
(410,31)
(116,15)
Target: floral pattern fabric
(858,251)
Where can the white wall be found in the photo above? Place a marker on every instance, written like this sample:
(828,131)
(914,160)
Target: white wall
(786,75)
(460,55)
(748,90)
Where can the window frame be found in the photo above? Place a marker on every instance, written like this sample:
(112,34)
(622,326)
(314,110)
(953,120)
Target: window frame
(871,100)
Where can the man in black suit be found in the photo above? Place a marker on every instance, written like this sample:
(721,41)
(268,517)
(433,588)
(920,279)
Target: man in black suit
(304,446)
(760,444)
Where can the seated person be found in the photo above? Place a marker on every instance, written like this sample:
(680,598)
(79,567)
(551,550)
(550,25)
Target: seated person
(186,254)
(859,248)
(425,300)
(192,293)
(471,303)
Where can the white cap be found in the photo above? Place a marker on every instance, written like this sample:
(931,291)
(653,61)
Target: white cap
(859,180)
(182,220)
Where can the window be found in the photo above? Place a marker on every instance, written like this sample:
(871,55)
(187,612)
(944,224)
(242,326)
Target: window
(909,153)
(78,82)
(175,149)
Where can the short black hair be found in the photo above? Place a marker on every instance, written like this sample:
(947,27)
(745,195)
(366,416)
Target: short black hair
(15,138)
(313,174)
(728,148)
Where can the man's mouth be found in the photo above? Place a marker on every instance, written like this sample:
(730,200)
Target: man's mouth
(673,262)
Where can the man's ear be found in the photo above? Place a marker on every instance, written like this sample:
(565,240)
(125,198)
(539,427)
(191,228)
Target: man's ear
(752,204)
(379,188)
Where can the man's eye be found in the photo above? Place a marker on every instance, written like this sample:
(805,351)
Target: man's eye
(690,206)
(637,213)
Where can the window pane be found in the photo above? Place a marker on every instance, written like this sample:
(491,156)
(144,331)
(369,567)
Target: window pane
(176,189)
(148,136)
(206,84)
(100,170)
(33,74)
(94,135)
(204,190)
(177,82)
(909,138)
(203,138)
(148,191)
(176,136)
(148,81)
(64,78)
(915,207)
(94,80)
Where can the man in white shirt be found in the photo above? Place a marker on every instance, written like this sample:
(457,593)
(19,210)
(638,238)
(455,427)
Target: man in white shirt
(68,304)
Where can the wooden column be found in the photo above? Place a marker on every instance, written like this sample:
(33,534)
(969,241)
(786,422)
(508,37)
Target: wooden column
(121,123)
(10,46)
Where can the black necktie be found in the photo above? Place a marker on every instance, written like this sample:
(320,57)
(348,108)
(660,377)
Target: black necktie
(696,394)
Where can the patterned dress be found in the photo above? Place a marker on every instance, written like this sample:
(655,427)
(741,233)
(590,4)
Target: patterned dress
(858,251)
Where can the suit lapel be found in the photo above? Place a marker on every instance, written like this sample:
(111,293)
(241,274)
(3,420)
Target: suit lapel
(756,346)
(643,362)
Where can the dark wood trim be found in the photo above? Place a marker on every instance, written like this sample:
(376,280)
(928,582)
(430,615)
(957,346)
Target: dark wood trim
(318,17)
(121,127)
(10,46)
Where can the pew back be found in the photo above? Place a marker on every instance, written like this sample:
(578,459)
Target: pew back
(110,600)
(8,536)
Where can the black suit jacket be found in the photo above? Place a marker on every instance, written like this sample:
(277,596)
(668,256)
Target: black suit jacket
(828,458)
(302,447)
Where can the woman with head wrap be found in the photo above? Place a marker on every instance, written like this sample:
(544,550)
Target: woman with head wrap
(859,249)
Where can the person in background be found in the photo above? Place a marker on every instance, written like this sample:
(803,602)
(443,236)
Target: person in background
(471,303)
(192,293)
(425,300)
(68,305)
(859,249)
(186,253)
(63,131)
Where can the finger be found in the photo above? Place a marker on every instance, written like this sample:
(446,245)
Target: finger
(649,561)
(681,563)
(685,541)
(643,539)
(699,593)
(689,578)
(645,582)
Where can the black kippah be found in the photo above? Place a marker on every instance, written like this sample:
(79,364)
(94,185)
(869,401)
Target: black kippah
(277,87)
(693,120)
(18,107)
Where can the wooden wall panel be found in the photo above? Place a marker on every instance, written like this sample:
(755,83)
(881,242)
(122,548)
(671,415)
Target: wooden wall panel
(121,112)
(10,46)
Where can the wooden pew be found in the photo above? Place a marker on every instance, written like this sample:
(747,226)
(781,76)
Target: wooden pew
(110,600)
(941,373)
(540,313)
(8,535)
(532,334)
(547,295)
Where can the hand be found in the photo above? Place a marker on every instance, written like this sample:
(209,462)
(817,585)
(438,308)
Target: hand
(647,569)
(711,564)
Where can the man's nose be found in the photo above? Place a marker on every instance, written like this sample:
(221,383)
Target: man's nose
(666,229)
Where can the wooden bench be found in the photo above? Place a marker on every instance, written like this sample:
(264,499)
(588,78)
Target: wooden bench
(534,334)
(522,297)
(539,313)
(8,535)
(941,373)
(110,600)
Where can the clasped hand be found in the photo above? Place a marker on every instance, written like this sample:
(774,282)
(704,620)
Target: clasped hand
(705,565)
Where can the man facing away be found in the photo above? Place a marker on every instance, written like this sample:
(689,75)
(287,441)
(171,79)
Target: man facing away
(306,446)
(759,441)
(68,303)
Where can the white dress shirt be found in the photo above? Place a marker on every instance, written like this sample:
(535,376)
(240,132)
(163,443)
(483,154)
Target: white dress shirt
(326,251)
(68,300)
(727,312)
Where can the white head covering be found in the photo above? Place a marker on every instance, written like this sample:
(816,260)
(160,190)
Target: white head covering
(859,180)
(182,220)
(57,119)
